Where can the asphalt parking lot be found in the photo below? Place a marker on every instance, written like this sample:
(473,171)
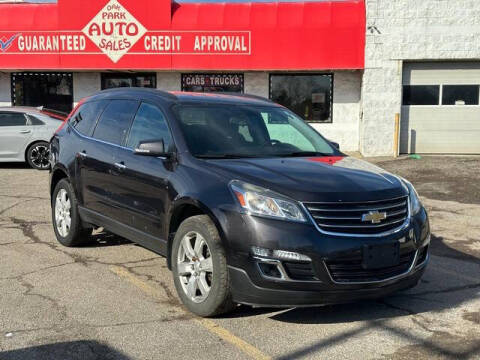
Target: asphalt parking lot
(116,300)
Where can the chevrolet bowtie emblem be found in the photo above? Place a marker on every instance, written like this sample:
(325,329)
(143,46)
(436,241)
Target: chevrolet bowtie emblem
(374,217)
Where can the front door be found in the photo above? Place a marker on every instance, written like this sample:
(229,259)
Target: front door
(141,186)
(14,136)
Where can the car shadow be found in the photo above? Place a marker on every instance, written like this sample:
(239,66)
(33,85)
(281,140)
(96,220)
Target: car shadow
(422,298)
(105,239)
(73,350)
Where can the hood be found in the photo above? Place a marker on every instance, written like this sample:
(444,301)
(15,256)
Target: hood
(329,179)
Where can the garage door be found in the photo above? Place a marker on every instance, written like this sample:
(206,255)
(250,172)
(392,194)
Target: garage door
(441,108)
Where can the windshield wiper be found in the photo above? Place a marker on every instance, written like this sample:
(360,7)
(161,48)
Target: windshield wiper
(304,153)
(224,156)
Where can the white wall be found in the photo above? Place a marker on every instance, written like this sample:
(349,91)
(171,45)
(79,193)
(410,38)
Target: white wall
(85,84)
(5,90)
(408,30)
(346,111)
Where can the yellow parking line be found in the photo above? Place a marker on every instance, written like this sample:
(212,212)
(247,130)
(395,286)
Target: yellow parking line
(208,324)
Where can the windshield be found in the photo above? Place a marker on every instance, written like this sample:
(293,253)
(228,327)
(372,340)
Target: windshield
(229,131)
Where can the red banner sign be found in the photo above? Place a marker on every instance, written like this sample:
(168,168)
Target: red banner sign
(123,34)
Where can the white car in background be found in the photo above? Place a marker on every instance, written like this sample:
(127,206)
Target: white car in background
(25,134)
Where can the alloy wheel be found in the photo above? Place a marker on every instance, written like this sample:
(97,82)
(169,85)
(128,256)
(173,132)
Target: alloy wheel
(40,156)
(63,218)
(195,267)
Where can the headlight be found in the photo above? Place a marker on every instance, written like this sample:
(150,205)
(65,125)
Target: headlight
(415,204)
(259,201)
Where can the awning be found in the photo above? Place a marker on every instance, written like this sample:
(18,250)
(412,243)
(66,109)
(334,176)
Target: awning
(160,35)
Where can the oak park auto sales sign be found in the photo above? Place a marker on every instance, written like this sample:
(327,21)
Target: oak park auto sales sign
(114,31)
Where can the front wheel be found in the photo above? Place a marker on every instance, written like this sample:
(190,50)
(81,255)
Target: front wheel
(200,268)
(38,155)
(66,221)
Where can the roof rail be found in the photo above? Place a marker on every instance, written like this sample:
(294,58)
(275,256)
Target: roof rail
(249,96)
(142,89)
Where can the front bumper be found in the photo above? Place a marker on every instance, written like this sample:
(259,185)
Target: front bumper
(246,292)
(250,285)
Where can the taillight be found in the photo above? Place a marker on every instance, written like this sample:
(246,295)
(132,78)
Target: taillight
(69,115)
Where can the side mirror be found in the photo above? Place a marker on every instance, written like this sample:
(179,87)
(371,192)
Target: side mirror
(152,148)
(335,144)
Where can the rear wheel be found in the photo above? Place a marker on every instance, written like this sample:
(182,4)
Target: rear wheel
(38,155)
(200,268)
(66,221)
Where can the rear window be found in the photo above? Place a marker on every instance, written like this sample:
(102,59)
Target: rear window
(86,116)
(12,119)
(35,121)
(115,121)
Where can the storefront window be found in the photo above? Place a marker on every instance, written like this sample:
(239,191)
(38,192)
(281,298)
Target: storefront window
(307,95)
(213,82)
(50,90)
(116,80)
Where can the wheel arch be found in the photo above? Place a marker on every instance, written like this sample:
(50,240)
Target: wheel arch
(58,173)
(182,209)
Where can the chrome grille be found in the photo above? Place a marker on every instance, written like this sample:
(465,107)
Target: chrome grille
(346,218)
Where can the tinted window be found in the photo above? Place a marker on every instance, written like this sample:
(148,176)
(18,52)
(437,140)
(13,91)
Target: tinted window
(115,121)
(149,124)
(12,119)
(35,121)
(309,96)
(86,116)
(460,95)
(421,94)
(116,80)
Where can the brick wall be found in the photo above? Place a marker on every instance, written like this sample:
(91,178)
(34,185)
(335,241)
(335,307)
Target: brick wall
(408,30)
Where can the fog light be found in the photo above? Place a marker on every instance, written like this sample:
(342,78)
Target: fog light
(270,270)
(289,255)
(279,254)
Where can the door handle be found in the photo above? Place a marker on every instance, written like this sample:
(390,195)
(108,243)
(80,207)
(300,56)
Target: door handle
(83,154)
(120,166)
(25,131)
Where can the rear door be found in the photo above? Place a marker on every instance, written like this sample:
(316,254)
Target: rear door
(141,187)
(15,134)
(97,170)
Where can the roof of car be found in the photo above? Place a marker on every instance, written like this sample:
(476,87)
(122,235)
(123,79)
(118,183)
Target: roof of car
(181,96)
(35,111)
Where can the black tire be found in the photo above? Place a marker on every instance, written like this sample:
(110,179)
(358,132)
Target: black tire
(38,155)
(219,299)
(77,235)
